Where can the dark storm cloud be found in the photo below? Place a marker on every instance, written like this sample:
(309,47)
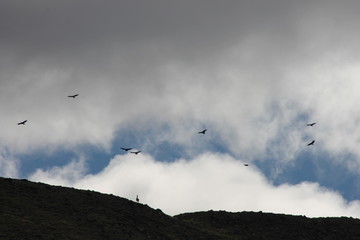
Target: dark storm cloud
(70,27)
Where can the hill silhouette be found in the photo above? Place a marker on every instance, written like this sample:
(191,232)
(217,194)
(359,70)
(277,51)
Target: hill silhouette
(39,211)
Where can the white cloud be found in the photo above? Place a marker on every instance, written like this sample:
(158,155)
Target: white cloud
(65,175)
(9,165)
(210,181)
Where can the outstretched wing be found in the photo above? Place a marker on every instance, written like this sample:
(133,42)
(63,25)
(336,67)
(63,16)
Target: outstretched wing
(22,123)
(311,143)
(126,149)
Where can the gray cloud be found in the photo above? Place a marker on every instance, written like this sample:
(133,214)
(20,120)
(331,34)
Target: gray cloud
(187,30)
(251,71)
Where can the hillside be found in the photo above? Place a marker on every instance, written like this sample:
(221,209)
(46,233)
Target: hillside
(38,211)
(268,226)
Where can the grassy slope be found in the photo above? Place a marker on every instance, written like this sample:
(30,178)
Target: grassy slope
(251,225)
(38,211)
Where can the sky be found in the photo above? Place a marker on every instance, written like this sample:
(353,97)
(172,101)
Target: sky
(151,74)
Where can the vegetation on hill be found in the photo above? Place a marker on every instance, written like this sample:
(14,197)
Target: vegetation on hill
(251,225)
(39,211)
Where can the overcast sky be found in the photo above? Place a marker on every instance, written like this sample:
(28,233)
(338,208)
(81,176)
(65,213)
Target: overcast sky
(151,74)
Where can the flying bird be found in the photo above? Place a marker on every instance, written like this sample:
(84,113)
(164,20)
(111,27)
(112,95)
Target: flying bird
(311,124)
(22,123)
(203,131)
(136,152)
(74,96)
(311,143)
(245,164)
(126,149)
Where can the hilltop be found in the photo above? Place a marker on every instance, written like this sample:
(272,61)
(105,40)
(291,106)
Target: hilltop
(31,210)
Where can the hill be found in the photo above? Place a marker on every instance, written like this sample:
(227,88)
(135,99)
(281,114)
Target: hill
(38,211)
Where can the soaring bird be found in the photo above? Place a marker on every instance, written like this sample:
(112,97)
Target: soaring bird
(74,96)
(136,152)
(126,149)
(203,131)
(245,164)
(22,123)
(311,143)
(311,124)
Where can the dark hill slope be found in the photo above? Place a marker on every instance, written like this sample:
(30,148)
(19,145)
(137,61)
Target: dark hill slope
(269,226)
(38,211)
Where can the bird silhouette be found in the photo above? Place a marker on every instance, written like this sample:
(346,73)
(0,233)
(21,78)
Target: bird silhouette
(311,143)
(203,131)
(245,164)
(136,153)
(73,96)
(22,123)
(137,198)
(126,149)
(311,124)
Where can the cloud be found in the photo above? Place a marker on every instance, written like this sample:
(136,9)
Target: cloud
(253,73)
(243,69)
(9,165)
(210,181)
(65,175)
